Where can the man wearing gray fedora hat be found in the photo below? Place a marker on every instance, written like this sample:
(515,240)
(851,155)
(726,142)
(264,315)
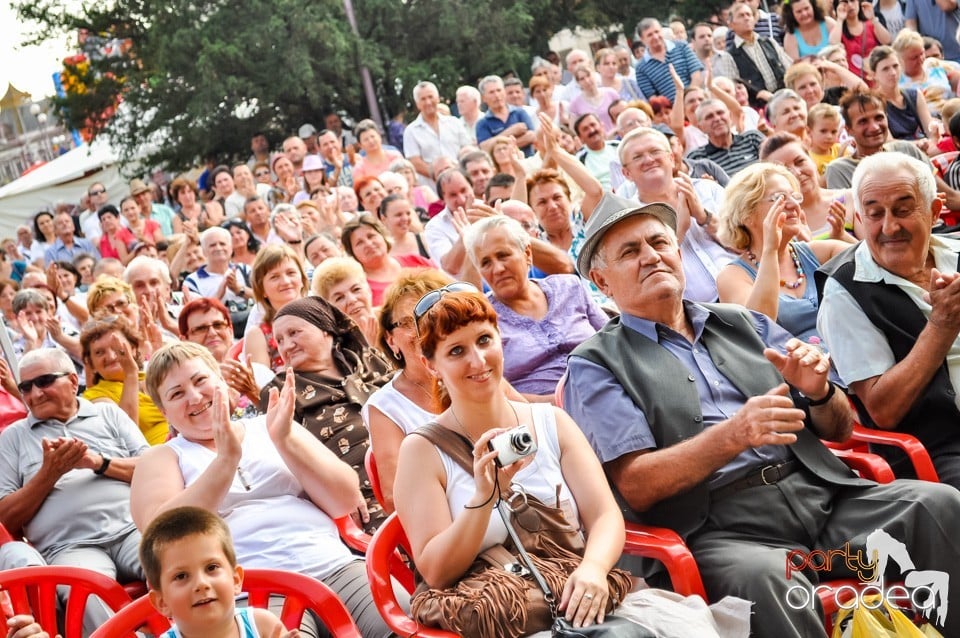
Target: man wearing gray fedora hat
(708,419)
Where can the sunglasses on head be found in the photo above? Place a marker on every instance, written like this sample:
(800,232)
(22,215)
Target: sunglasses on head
(430,299)
(43,382)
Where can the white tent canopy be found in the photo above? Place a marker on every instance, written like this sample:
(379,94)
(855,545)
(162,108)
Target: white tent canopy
(65,179)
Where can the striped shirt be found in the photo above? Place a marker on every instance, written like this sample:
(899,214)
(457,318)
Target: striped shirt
(744,151)
(653,76)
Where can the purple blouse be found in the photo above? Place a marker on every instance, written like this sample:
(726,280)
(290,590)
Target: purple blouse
(535,352)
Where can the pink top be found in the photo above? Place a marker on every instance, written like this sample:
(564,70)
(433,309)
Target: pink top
(364,167)
(412,260)
(107,249)
(581,106)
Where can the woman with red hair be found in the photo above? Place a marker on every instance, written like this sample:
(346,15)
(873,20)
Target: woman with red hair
(447,512)
(370,192)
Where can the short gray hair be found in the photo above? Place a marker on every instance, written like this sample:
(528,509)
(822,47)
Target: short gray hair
(424,84)
(645,24)
(470,91)
(885,160)
(490,79)
(60,359)
(283,208)
(30,297)
(709,102)
(143,261)
(643,131)
(214,231)
(773,106)
(476,231)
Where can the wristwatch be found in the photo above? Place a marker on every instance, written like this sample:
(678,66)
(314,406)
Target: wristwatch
(706,222)
(103,466)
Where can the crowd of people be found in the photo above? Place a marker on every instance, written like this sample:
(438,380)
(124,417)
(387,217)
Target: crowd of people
(680,265)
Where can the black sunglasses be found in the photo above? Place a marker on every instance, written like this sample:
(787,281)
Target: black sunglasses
(43,382)
(430,299)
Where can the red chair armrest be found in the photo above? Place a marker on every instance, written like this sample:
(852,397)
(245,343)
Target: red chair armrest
(869,466)
(354,537)
(911,446)
(666,546)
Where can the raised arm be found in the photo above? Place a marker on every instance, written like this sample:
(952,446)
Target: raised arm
(592,189)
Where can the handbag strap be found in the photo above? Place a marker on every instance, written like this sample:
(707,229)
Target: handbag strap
(455,445)
(548,596)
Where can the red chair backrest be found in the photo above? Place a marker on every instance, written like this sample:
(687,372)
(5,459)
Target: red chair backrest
(384,562)
(370,464)
(234,351)
(33,590)
(301,593)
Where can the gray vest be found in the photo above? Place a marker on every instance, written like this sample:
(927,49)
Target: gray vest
(665,391)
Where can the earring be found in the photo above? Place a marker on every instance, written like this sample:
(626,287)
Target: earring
(396,353)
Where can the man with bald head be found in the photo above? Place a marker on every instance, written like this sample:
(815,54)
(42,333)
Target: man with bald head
(295,149)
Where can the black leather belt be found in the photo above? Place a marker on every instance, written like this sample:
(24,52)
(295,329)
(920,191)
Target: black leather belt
(767,475)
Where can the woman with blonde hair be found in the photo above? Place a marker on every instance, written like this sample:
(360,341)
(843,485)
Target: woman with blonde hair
(761,217)
(342,282)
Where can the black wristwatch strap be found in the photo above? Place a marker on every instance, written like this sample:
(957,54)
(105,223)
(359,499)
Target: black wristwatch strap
(103,466)
(832,391)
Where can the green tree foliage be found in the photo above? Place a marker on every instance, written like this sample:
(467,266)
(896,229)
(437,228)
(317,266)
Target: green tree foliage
(200,76)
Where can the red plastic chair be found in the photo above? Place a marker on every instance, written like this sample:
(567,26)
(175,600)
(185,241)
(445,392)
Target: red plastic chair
(863,437)
(370,464)
(33,590)
(234,351)
(134,589)
(383,561)
(351,534)
(301,592)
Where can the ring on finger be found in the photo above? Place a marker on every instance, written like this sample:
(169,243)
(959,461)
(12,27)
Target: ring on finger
(588,596)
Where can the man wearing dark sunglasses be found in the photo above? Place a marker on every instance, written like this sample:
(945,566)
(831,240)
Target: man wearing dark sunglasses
(65,475)
(89,222)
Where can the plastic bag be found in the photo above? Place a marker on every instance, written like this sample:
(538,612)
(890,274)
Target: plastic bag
(883,621)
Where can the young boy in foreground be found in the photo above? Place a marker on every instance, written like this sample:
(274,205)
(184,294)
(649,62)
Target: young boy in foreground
(187,555)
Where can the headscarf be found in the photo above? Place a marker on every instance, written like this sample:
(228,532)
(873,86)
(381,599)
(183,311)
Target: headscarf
(349,344)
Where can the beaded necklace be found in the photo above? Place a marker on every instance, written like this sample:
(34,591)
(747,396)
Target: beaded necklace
(791,285)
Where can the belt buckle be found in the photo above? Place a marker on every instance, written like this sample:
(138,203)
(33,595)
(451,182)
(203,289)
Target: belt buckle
(763,474)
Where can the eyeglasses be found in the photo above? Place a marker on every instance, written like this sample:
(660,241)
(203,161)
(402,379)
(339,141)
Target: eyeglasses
(406,322)
(97,192)
(198,331)
(261,174)
(430,299)
(43,382)
(653,154)
(117,306)
(796,197)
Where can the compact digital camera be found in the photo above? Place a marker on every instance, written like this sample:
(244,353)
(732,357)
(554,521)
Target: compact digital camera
(513,445)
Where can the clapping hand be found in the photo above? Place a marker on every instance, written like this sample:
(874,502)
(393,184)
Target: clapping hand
(280,407)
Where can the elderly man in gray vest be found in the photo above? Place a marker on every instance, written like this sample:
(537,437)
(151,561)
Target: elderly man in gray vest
(890,310)
(707,417)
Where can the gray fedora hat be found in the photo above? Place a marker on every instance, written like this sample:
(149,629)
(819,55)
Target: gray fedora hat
(609,211)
